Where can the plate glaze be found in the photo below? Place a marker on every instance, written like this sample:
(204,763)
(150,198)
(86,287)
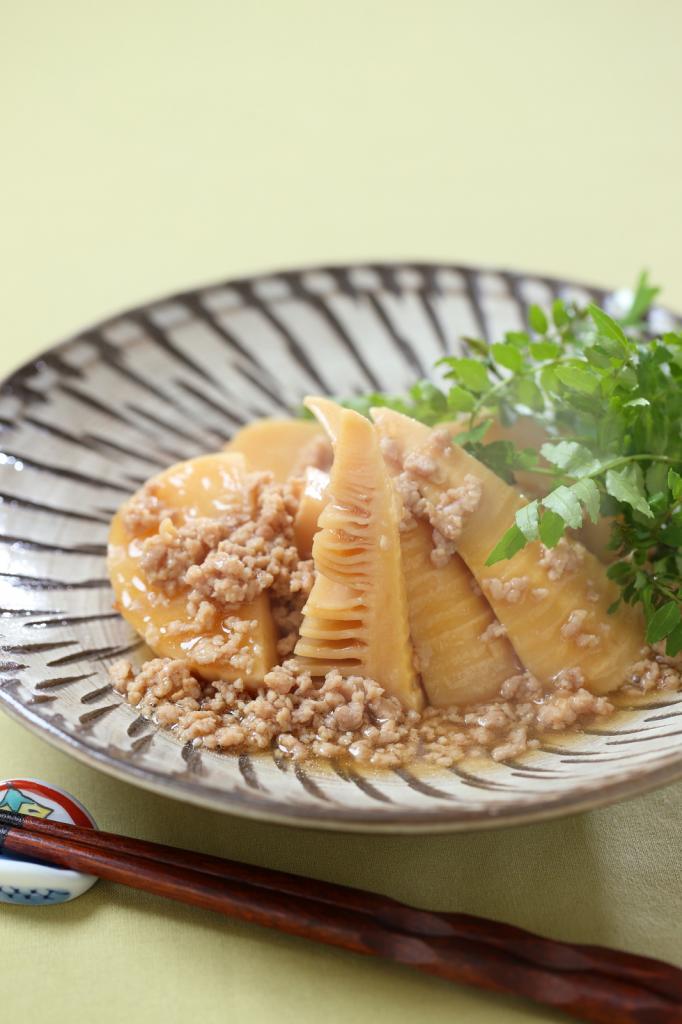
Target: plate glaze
(86,422)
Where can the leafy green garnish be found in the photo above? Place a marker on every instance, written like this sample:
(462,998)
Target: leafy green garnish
(609,397)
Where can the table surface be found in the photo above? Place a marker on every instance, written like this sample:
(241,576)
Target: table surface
(148,147)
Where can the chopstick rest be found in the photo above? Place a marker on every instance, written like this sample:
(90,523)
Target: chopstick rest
(31,882)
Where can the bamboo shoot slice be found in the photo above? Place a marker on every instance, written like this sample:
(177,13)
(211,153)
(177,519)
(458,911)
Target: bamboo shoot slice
(205,486)
(280,446)
(356,619)
(312,500)
(561,620)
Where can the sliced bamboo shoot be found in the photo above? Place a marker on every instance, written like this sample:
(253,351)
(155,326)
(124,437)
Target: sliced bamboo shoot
(448,618)
(355,619)
(312,500)
(278,446)
(556,618)
(206,486)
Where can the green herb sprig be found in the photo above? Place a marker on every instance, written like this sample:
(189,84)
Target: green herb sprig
(609,397)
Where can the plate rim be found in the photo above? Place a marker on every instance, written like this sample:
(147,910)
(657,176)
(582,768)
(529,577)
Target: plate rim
(468,269)
(666,770)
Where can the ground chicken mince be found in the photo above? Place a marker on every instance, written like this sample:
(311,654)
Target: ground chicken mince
(512,591)
(144,512)
(353,717)
(317,453)
(566,557)
(448,516)
(230,560)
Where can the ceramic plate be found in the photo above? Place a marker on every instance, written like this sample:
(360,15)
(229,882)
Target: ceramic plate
(84,424)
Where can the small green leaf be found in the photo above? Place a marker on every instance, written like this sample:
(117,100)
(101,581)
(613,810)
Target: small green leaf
(609,327)
(675,484)
(673,644)
(552,528)
(573,458)
(526,458)
(549,379)
(424,392)
(459,400)
(545,349)
(519,339)
(672,535)
(477,345)
(471,373)
(642,299)
(663,622)
(612,349)
(587,492)
(537,319)
(641,580)
(596,357)
(627,378)
(559,313)
(627,485)
(563,501)
(527,520)
(475,435)
(498,456)
(508,355)
(528,393)
(511,542)
(645,598)
(577,379)
(619,572)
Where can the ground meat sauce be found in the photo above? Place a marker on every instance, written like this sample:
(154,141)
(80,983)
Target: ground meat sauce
(449,515)
(222,563)
(317,453)
(231,560)
(352,716)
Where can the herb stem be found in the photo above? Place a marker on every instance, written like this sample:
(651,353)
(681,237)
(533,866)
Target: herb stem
(623,460)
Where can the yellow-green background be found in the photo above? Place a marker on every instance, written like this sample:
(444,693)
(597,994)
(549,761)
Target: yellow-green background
(146,146)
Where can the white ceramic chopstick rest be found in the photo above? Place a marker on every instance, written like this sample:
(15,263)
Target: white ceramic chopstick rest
(30,882)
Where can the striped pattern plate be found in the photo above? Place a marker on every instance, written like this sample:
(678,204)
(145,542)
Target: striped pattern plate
(85,423)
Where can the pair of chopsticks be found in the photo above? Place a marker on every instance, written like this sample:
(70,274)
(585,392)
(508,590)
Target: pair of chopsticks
(588,982)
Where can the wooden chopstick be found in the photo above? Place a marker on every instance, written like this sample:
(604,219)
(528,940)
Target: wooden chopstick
(229,888)
(559,956)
